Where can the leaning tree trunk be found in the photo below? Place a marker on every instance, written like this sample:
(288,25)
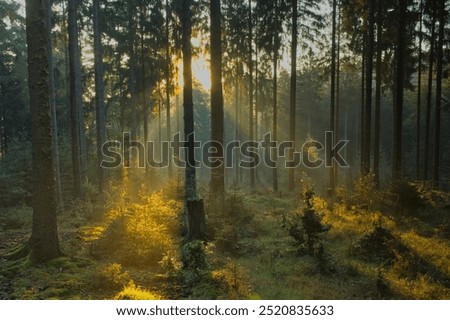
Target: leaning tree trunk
(44,243)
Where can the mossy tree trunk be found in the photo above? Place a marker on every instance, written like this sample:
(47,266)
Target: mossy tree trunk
(44,243)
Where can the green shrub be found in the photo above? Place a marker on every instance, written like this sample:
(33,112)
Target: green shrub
(305,226)
(110,277)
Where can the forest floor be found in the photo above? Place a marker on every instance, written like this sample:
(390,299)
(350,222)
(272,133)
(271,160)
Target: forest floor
(118,247)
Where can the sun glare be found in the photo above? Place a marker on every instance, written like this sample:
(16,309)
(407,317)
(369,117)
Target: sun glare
(200,72)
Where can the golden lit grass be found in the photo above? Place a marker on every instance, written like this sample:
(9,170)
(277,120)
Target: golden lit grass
(133,292)
(276,273)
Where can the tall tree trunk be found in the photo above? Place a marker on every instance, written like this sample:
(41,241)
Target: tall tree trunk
(217,117)
(188,103)
(376,145)
(59,195)
(168,86)
(419,94)
(44,243)
(194,207)
(99,93)
(75,101)
(132,66)
(439,74)
(144,97)
(363,99)
(398,106)
(333,93)
(293,91)
(251,88)
(429,96)
(368,105)
(236,121)
(275,96)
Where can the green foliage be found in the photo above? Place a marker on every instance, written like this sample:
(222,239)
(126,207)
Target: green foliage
(194,257)
(406,197)
(305,226)
(378,245)
(15,174)
(110,277)
(230,224)
(140,234)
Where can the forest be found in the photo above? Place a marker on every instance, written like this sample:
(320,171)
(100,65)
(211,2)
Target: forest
(224,149)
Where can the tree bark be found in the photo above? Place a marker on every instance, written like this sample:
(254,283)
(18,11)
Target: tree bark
(168,86)
(75,97)
(429,97)
(59,195)
(250,90)
(398,106)
(368,105)
(217,116)
(333,93)
(188,103)
(275,96)
(44,243)
(419,94)
(99,93)
(439,74)
(376,146)
(293,91)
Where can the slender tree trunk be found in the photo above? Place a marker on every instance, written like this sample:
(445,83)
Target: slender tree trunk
(236,121)
(188,103)
(419,94)
(44,243)
(132,66)
(293,91)
(217,116)
(168,86)
(194,207)
(144,97)
(75,102)
(59,195)
(337,119)
(363,98)
(275,97)
(376,146)
(333,93)
(429,97)
(251,88)
(398,107)
(439,74)
(368,105)
(99,93)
